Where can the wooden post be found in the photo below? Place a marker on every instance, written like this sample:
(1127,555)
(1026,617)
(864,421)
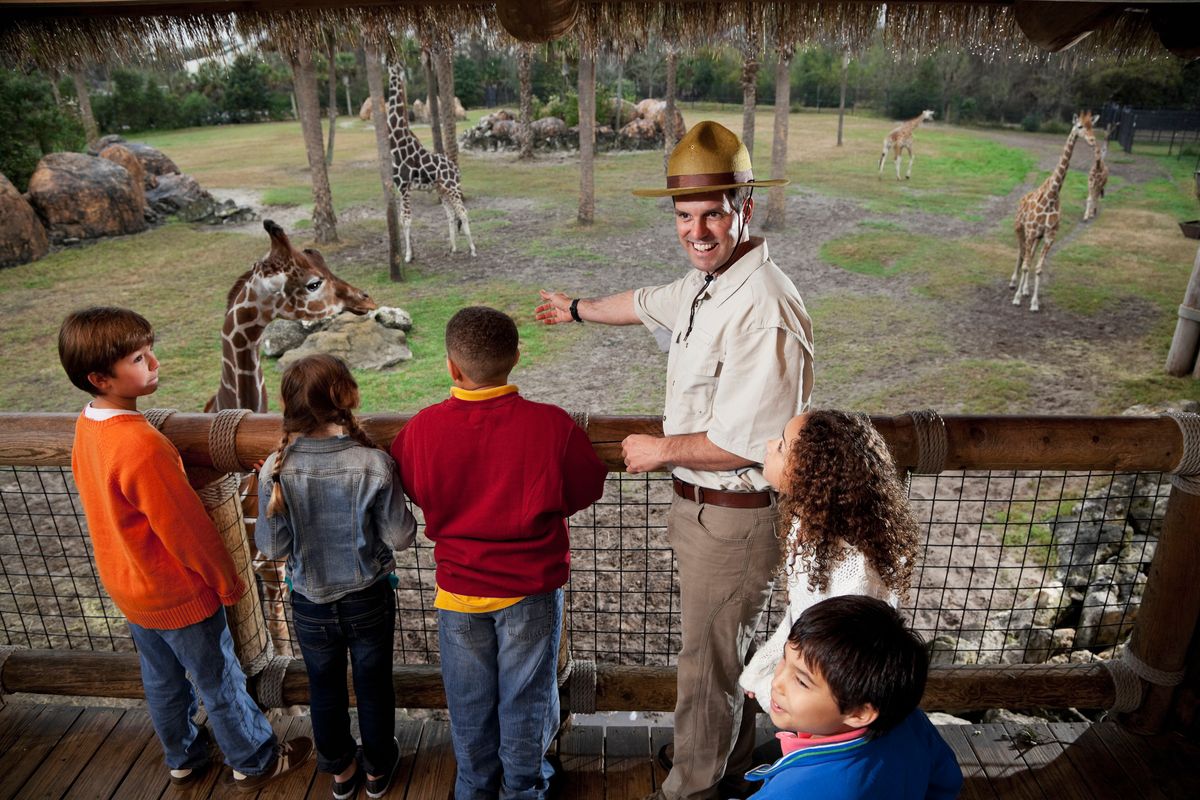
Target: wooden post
(1170,608)
(1181,359)
(587,138)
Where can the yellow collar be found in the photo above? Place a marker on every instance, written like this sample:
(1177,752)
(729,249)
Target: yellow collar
(482,394)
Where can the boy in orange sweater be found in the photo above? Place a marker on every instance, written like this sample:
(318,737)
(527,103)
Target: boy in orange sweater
(160,557)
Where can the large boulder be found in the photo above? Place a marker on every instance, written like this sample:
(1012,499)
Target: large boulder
(639,134)
(183,196)
(359,341)
(22,235)
(548,128)
(83,197)
(95,148)
(364,111)
(619,112)
(646,108)
(121,154)
(153,161)
(660,121)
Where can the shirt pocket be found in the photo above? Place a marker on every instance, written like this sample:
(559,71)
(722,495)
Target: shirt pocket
(695,380)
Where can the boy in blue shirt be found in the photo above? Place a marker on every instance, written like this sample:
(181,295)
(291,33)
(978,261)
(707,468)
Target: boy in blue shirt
(848,685)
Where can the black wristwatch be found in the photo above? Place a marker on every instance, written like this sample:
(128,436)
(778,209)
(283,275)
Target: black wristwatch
(575,310)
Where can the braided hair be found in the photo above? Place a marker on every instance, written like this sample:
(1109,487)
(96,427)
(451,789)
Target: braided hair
(317,390)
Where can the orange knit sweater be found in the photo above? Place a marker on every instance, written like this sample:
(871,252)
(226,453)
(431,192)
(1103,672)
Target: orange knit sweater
(158,553)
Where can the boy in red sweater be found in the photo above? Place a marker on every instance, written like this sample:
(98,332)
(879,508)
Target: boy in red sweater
(497,476)
(160,557)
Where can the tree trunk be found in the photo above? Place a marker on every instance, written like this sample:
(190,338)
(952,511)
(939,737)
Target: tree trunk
(670,135)
(842,101)
(58,101)
(749,89)
(90,130)
(383,147)
(332,51)
(587,140)
(304,77)
(777,196)
(444,63)
(525,73)
(433,106)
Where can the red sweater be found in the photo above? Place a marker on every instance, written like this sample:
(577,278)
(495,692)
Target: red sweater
(497,479)
(158,553)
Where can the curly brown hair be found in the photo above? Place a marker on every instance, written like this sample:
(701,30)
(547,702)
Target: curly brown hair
(840,483)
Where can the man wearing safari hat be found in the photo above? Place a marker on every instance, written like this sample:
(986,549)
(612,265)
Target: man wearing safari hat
(739,367)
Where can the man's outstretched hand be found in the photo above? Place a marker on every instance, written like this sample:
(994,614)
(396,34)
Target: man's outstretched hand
(555,310)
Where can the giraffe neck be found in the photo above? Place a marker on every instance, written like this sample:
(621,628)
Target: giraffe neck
(241,371)
(1060,172)
(398,112)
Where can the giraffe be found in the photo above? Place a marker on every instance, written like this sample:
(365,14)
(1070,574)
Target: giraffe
(899,140)
(1097,179)
(290,284)
(413,165)
(1038,216)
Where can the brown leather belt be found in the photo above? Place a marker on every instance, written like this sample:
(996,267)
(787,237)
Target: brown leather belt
(719,497)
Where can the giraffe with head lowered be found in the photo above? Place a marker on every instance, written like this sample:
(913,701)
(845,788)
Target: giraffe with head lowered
(290,284)
(899,140)
(1039,214)
(1097,180)
(414,166)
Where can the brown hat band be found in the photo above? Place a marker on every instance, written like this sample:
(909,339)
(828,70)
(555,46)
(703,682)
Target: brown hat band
(705,179)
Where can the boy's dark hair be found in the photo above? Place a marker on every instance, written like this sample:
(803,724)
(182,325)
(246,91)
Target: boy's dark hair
(93,339)
(865,654)
(483,343)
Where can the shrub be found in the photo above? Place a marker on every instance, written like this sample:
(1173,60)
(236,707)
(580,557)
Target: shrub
(1030,123)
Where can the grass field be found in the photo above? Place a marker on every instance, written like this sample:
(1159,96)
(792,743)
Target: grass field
(892,293)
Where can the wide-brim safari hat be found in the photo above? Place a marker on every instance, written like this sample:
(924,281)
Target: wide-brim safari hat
(709,158)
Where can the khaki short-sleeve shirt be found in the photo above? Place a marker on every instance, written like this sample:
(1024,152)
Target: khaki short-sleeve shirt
(745,367)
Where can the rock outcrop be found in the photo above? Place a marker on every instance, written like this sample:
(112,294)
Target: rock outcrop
(360,341)
(84,197)
(121,154)
(284,336)
(183,196)
(22,235)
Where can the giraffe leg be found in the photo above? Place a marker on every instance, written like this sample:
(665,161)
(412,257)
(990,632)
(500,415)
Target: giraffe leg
(911,159)
(899,155)
(1012,282)
(882,159)
(1037,273)
(1026,258)
(406,223)
(1089,210)
(460,211)
(450,222)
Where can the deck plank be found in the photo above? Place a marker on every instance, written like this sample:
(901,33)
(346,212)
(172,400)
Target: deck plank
(627,769)
(976,785)
(434,767)
(1167,762)
(22,760)
(147,779)
(109,765)
(1053,771)
(74,750)
(1099,771)
(15,718)
(1003,766)
(659,736)
(582,751)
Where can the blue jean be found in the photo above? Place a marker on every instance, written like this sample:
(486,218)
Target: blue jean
(500,673)
(205,651)
(363,623)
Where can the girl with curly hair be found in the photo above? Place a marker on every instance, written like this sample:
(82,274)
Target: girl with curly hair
(850,528)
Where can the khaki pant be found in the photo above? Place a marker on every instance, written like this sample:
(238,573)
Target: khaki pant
(726,558)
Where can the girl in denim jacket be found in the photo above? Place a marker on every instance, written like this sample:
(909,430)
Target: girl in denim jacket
(335,509)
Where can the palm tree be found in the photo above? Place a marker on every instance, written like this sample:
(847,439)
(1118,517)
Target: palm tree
(304,78)
(749,86)
(90,129)
(525,73)
(842,100)
(670,135)
(587,137)
(443,62)
(383,147)
(777,196)
(331,54)
(434,107)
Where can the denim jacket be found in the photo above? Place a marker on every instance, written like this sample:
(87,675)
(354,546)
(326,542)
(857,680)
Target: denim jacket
(344,516)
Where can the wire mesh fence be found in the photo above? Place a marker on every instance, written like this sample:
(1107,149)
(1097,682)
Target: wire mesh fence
(1015,567)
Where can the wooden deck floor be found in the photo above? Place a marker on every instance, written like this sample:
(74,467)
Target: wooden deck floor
(71,752)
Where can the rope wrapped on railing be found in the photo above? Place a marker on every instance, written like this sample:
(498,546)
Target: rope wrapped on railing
(932,442)
(1128,671)
(1186,475)
(268,688)
(222,439)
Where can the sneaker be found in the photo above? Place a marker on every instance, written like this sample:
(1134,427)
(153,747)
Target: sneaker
(187,775)
(347,789)
(288,756)
(377,787)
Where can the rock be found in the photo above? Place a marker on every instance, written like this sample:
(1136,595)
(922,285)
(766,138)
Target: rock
(548,127)
(1050,603)
(120,154)
(942,718)
(639,134)
(359,341)
(941,650)
(646,108)
(420,111)
(1082,543)
(660,121)
(22,236)
(392,317)
(1104,619)
(505,129)
(364,111)
(98,146)
(626,109)
(153,161)
(1154,409)
(282,335)
(181,194)
(459,111)
(82,196)
(1006,717)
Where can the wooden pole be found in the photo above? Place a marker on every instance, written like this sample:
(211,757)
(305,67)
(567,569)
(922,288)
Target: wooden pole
(1181,359)
(1119,444)
(586,214)
(618,688)
(1170,608)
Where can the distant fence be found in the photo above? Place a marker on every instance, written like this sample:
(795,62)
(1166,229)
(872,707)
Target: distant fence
(1049,543)
(1175,127)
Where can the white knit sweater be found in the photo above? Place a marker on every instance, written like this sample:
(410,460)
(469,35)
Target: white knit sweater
(851,575)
